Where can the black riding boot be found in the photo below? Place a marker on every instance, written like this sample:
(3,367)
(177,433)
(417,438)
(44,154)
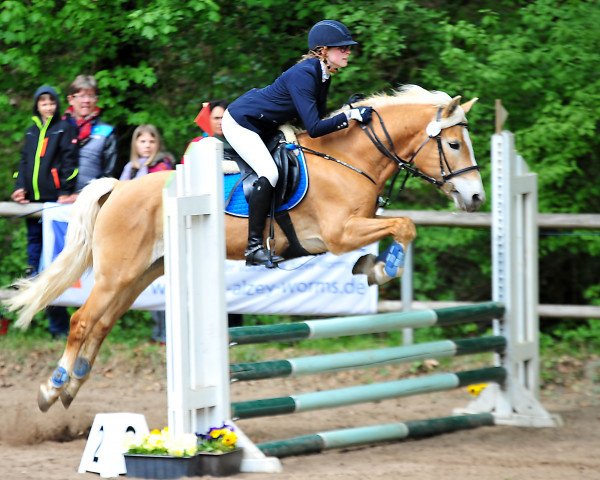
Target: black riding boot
(259,206)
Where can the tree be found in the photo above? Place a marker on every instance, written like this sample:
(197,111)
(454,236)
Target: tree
(157,61)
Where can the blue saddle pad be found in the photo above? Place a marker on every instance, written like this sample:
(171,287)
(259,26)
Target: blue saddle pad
(238,206)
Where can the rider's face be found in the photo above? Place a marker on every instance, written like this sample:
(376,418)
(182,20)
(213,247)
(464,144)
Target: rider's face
(337,57)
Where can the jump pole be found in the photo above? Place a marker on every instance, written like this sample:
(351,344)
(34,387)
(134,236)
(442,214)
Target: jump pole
(196,319)
(336,362)
(364,324)
(350,437)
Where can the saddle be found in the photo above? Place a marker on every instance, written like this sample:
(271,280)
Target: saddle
(287,164)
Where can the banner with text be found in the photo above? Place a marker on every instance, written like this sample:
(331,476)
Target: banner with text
(321,285)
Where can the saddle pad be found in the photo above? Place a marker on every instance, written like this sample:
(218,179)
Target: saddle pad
(237,204)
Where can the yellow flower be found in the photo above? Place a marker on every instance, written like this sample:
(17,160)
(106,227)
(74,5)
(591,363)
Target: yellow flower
(154,440)
(175,448)
(216,433)
(476,389)
(229,438)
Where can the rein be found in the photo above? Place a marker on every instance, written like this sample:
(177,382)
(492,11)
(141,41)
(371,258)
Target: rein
(333,159)
(389,152)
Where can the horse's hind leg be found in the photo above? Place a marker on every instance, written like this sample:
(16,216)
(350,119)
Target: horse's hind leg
(80,328)
(117,305)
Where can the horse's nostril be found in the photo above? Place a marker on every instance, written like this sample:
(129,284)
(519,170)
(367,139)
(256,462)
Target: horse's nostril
(476,199)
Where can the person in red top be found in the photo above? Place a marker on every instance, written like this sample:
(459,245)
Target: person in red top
(209,120)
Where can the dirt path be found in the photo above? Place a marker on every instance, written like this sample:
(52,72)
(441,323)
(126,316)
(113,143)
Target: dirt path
(49,446)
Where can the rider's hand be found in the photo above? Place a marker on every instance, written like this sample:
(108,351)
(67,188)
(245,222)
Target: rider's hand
(361,114)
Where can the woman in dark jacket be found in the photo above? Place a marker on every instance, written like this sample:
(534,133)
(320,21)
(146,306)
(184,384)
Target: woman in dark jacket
(300,92)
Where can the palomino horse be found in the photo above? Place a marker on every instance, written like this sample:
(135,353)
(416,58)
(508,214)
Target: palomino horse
(116,227)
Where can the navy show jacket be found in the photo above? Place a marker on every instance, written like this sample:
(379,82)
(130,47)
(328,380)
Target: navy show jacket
(299,92)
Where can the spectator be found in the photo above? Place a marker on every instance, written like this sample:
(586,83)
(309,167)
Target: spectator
(97,140)
(47,173)
(209,120)
(148,155)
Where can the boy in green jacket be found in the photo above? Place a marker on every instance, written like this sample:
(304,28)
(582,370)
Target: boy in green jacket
(47,172)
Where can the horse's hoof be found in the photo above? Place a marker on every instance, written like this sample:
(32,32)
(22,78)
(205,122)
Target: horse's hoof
(66,399)
(364,264)
(68,394)
(378,276)
(46,398)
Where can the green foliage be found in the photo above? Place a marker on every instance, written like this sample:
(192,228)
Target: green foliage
(157,61)
(573,339)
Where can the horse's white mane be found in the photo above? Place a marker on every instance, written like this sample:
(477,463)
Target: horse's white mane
(408,95)
(411,95)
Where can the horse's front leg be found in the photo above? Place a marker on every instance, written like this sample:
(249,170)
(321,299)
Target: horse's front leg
(390,263)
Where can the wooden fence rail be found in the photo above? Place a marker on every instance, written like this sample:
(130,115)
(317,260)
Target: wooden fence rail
(546,221)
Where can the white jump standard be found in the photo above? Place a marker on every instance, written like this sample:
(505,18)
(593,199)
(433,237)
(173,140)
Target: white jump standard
(199,373)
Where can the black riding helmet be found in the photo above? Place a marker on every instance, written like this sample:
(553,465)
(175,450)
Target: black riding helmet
(329,33)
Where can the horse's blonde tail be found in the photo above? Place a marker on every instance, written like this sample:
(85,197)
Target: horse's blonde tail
(35,294)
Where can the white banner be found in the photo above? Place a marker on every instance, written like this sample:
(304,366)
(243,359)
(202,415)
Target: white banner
(321,285)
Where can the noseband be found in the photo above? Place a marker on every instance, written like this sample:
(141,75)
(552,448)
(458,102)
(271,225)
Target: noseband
(408,166)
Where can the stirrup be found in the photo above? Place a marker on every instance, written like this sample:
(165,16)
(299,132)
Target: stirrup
(261,256)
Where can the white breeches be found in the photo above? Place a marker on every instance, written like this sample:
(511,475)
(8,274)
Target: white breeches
(251,148)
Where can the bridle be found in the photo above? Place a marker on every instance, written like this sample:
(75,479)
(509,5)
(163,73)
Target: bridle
(433,131)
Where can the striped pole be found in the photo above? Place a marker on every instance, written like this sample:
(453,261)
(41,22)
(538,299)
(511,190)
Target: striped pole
(364,393)
(363,324)
(350,437)
(363,359)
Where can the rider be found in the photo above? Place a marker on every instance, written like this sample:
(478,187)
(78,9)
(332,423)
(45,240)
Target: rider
(300,92)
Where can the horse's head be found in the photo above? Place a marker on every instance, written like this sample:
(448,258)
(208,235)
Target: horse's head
(428,131)
(448,156)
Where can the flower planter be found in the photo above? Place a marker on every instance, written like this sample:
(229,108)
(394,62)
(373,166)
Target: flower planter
(165,466)
(221,464)
(161,466)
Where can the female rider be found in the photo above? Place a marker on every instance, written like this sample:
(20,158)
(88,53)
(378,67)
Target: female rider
(300,92)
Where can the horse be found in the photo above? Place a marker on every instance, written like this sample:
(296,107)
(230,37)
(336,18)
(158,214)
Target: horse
(422,132)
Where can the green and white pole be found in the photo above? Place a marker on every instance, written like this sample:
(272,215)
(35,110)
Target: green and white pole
(364,393)
(350,437)
(363,324)
(363,359)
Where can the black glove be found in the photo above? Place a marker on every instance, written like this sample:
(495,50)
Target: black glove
(361,114)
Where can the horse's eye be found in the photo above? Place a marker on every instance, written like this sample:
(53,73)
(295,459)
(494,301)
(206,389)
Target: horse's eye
(454,145)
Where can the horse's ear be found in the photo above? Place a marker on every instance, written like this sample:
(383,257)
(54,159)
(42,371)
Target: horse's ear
(452,106)
(467,106)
